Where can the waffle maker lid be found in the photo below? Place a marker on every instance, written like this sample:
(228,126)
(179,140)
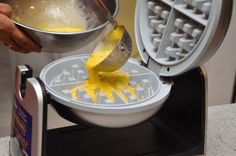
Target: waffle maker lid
(175,36)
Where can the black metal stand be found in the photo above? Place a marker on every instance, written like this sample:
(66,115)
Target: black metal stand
(177,129)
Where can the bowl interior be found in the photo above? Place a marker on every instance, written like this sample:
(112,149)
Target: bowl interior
(60,15)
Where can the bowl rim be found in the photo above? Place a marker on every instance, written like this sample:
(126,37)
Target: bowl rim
(70,33)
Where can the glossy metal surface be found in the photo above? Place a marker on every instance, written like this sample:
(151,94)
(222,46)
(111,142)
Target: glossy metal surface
(123,49)
(118,56)
(48,11)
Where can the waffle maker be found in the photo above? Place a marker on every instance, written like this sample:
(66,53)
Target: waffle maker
(168,115)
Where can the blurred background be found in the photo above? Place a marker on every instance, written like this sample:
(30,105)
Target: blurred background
(221,69)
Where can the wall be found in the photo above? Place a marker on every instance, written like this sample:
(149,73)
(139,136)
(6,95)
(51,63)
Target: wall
(222,68)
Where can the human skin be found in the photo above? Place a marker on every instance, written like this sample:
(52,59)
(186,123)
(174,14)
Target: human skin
(13,37)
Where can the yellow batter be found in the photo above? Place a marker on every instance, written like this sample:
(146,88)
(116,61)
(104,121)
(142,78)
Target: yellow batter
(64,28)
(105,82)
(53,16)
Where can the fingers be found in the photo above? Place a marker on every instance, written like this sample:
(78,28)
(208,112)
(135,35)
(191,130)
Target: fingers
(5,9)
(23,40)
(5,26)
(16,48)
(13,46)
(15,38)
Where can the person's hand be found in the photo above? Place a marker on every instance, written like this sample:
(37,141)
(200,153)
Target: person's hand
(11,36)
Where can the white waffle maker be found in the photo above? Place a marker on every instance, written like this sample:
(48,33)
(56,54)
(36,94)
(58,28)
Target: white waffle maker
(174,37)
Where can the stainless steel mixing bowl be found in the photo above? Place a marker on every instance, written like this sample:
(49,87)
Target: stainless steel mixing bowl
(54,13)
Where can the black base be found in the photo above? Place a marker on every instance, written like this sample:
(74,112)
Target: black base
(177,129)
(143,140)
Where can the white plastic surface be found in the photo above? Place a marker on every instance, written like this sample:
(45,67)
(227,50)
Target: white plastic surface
(62,75)
(178,34)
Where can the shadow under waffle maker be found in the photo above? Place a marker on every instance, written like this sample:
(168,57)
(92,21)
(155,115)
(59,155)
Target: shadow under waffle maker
(168,114)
